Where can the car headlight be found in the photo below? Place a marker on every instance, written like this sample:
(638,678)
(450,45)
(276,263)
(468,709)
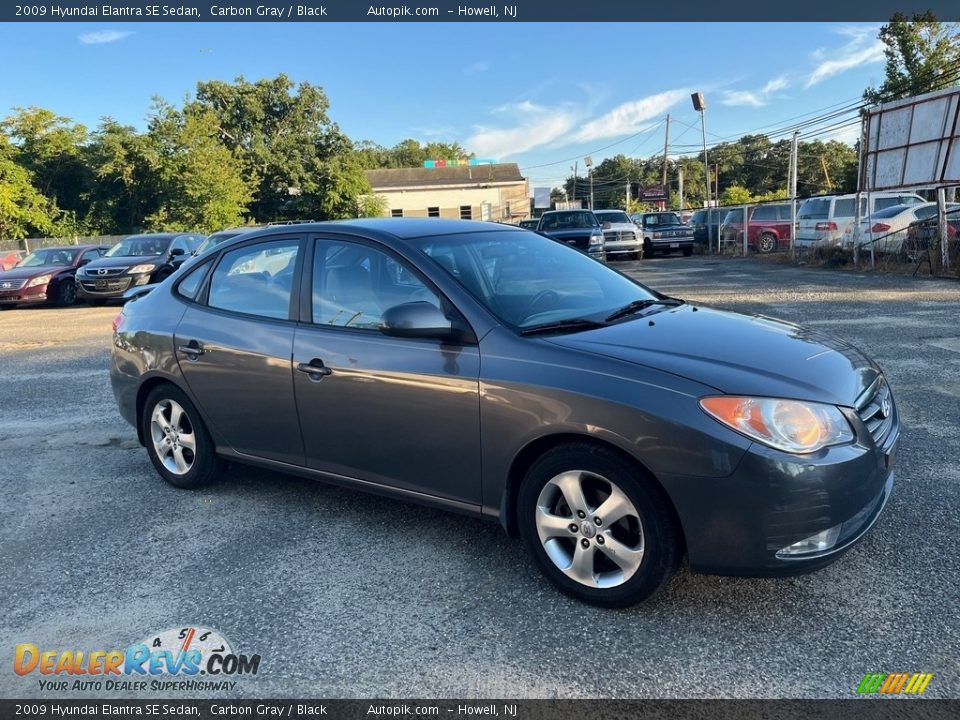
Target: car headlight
(657,235)
(40,280)
(788,425)
(596,239)
(145,268)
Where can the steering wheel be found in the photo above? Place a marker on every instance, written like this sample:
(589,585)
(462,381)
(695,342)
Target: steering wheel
(537,299)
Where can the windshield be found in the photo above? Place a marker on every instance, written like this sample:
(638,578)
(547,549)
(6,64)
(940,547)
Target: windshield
(139,246)
(614,217)
(49,256)
(527,280)
(668,218)
(216,239)
(566,220)
(890,212)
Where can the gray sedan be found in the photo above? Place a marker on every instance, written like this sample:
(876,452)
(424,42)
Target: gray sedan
(490,370)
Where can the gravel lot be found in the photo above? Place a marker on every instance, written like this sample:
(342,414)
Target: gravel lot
(349,595)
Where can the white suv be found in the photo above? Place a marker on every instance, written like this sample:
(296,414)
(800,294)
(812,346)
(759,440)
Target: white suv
(621,239)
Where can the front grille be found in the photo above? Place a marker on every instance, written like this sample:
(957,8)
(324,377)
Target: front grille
(582,242)
(619,236)
(875,409)
(105,285)
(12,284)
(105,272)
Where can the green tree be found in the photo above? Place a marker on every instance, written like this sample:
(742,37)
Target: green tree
(203,186)
(23,209)
(51,148)
(735,195)
(285,140)
(922,55)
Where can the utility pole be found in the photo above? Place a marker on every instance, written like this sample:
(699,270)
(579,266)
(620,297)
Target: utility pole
(666,143)
(574,168)
(680,184)
(793,191)
(628,195)
(588,161)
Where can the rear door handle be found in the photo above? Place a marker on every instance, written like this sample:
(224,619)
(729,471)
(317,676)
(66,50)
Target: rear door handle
(192,349)
(315,369)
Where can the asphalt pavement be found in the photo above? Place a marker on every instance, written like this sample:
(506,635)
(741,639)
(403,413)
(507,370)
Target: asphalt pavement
(344,594)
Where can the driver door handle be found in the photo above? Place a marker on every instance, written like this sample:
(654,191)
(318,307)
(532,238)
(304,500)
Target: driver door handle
(315,369)
(192,349)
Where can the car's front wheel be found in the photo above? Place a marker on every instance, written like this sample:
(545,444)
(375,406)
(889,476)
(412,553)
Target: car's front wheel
(767,243)
(177,440)
(66,293)
(599,529)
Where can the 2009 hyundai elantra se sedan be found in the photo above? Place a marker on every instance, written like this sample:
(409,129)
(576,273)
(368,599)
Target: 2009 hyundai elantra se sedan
(488,369)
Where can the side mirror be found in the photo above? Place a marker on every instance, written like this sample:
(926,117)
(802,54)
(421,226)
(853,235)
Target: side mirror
(417,320)
(177,251)
(83,261)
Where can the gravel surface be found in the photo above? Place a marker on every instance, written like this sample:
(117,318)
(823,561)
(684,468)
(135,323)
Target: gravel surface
(349,595)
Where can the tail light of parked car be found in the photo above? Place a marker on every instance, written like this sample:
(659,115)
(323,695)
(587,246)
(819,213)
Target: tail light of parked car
(879,227)
(118,321)
(826,225)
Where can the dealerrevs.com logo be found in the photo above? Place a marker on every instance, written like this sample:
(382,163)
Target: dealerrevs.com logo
(170,660)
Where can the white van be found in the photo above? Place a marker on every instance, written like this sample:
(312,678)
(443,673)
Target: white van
(823,221)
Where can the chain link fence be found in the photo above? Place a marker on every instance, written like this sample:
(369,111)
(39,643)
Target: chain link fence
(31,244)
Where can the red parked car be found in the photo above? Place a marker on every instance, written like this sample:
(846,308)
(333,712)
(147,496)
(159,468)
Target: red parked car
(9,259)
(769,227)
(46,275)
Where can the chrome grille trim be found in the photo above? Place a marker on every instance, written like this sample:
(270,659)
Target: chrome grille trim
(14,284)
(870,409)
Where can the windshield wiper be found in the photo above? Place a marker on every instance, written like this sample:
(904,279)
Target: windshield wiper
(570,324)
(638,305)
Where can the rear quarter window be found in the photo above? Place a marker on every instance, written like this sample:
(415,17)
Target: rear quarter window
(844,208)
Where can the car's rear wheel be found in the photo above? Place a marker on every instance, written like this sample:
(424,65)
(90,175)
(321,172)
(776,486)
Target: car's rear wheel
(66,293)
(177,440)
(767,243)
(598,528)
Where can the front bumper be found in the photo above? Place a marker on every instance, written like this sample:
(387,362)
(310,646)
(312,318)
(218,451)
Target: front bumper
(24,296)
(737,525)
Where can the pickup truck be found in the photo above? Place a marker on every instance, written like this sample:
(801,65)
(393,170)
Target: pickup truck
(664,232)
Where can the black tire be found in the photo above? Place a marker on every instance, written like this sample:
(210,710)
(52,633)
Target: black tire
(205,465)
(95,302)
(647,249)
(688,250)
(66,293)
(662,542)
(767,243)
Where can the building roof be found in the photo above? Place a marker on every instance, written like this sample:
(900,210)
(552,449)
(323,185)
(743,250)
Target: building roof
(400,178)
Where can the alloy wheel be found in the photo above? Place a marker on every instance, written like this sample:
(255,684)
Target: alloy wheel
(173,437)
(590,529)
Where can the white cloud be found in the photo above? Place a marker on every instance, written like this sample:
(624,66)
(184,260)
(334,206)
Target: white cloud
(754,98)
(742,98)
(629,117)
(862,48)
(535,126)
(777,83)
(476,68)
(102,36)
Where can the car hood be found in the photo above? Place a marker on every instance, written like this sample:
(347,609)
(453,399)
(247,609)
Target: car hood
(736,354)
(622,226)
(124,261)
(29,272)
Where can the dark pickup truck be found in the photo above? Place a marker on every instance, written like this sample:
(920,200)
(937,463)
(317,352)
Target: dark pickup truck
(664,232)
(579,228)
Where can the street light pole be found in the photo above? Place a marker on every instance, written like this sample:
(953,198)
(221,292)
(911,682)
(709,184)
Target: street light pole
(700,105)
(589,163)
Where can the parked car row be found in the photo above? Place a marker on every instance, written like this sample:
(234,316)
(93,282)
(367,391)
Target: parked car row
(612,234)
(94,273)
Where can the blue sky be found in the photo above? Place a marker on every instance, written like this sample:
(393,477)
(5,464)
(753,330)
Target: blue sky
(543,95)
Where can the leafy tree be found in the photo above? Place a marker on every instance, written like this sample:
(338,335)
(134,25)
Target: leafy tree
(735,195)
(922,55)
(23,209)
(50,148)
(286,141)
(202,182)
(128,186)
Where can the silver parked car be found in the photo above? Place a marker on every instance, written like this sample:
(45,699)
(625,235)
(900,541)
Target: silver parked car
(491,370)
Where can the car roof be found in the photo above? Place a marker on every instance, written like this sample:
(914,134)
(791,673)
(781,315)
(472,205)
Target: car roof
(400,228)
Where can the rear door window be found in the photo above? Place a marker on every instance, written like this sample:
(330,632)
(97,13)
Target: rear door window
(815,209)
(844,207)
(765,212)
